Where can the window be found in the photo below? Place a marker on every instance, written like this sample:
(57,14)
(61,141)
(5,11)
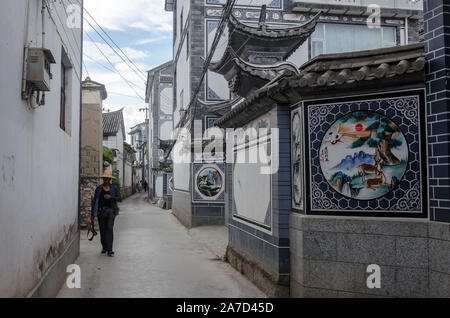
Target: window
(65,109)
(62,106)
(338,38)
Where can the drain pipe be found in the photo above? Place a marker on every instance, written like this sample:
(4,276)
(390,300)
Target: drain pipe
(26,44)
(43,23)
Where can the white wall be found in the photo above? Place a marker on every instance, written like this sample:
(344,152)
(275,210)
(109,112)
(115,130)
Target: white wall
(159,180)
(166,109)
(183,79)
(128,175)
(301,55)
(110,142)
(38,161)
(120,155)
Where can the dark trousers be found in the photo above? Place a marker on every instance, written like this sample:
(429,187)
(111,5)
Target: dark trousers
(106,223)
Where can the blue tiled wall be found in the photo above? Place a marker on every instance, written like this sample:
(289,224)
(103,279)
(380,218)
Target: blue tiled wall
(437,39)
(271,251)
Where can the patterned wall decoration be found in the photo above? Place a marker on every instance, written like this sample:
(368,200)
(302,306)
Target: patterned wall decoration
(273,4)
(297,159)
(252,190)
(366,155)
(209,182)
(169,186)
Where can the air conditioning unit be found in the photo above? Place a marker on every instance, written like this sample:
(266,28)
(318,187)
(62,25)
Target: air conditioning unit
(38,68)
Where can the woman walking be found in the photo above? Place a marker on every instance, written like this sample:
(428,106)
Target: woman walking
(104,207)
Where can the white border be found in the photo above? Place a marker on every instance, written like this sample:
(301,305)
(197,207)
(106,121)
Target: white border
(195,188)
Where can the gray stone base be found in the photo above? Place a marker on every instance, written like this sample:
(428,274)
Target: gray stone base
(181,208)
(168,202)
(262,279)
(196,214)
(208,214)
(127,192)
(330,256)
(56,276)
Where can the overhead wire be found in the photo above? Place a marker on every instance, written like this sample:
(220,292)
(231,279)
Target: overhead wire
(115,70)
(126,60)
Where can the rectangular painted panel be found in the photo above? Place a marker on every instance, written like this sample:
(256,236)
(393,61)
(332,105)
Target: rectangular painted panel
(366,155)
(159,186)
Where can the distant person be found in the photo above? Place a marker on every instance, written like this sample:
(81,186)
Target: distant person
(145,186)
(104,207)
(140,186)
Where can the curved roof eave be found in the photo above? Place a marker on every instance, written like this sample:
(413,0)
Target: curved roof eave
(285,32)
(299,32)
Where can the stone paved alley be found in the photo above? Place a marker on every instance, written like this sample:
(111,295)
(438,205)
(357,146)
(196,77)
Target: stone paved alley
(155,257)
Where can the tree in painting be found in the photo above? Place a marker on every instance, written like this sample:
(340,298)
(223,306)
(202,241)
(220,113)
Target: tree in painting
(364,155)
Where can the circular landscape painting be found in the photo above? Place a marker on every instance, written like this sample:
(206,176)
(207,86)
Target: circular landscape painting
(209,182)
(364,155)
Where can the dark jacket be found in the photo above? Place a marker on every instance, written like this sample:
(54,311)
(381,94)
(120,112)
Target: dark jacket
(115,197)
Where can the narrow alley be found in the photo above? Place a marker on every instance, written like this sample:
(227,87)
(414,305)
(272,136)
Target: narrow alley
(245,149)
(155,257)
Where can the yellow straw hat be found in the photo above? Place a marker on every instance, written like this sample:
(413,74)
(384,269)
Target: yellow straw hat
(107,174)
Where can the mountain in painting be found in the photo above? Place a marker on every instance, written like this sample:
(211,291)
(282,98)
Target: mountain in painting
(350,162)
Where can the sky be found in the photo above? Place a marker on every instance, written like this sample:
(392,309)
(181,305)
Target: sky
(143,30)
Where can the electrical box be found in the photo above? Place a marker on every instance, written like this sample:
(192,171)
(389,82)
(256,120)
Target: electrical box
(38,68)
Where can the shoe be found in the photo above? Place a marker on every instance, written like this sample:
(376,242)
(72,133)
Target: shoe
(111,254)
(103,251)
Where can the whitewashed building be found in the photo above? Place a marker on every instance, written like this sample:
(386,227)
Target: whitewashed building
(128,171)
(138,135)
(40,62)
(114,138)
(159,96)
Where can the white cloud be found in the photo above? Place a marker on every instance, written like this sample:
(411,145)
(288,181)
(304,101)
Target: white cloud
(147,15)
(91,50)
(143,22)
(152,40)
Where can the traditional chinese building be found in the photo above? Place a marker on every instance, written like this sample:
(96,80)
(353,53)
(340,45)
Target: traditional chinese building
(352,175)
(341,27)
(159,96)
(41,72)
(139,135)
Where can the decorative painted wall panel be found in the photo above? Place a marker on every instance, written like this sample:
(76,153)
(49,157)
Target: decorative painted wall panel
(252,190)
(365,155)
(159,186)
(170,184)
(209,182)
(297,159)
